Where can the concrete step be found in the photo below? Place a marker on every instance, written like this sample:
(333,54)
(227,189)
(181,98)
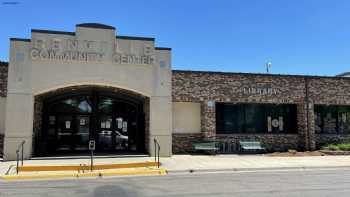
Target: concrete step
(103,173)
(85,167)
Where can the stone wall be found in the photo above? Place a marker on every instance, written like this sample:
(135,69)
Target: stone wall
(3,78)
(324,139)
(329,91)
(209,88)
(182,142)
(1,144)
(3,92)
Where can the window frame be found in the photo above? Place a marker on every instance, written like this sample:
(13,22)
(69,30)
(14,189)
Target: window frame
(323,113)
(287,111)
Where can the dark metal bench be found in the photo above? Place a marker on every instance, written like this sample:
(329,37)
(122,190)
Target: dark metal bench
(251,146)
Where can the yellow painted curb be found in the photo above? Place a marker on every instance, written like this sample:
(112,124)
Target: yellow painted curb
(86,167)
(160,171)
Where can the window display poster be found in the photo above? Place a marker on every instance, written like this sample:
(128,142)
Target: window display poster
(103,125)
(68,124)
(125,126)
(280,118)
(108,124)
(269,126)
(275,123)
(343,117)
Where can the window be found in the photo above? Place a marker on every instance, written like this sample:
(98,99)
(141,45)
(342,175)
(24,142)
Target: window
(255,118)
(332,119)
(79,104)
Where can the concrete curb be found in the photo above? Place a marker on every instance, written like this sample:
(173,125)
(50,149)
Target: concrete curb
(160,171)
(256,169)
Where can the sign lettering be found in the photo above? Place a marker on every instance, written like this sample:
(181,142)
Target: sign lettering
(87,51)
(259,90)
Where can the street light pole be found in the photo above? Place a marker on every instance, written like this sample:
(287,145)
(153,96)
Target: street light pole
(268,65)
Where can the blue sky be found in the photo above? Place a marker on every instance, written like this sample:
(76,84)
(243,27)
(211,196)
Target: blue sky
(298,37)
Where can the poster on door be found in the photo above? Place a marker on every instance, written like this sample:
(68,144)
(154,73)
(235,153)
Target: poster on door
(67,124)
(82,122)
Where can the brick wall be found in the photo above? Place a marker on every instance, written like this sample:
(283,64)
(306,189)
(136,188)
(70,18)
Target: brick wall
(3,92)
(204,87)
(329,91)
(3,78)
(1,144)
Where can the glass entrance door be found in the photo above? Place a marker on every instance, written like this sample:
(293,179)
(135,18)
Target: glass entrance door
(73,132)
(64,133)
(82,134)
(112,129)
(70,122)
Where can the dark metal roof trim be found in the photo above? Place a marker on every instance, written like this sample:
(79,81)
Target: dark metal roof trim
(162,48)
(135,38)
(20,39)
(95,25)
(53,32)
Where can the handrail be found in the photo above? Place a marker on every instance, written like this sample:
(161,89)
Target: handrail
(20,147)
(156,151)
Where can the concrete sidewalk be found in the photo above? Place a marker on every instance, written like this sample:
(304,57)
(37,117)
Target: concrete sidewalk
(184,163)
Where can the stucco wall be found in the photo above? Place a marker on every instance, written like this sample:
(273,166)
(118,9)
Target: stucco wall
(104,59)
(186,117)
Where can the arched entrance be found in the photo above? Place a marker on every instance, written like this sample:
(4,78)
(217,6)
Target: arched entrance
(70,117)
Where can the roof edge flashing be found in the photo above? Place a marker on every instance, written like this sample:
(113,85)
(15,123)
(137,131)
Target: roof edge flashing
(44,31)
(136,38)
(95,26)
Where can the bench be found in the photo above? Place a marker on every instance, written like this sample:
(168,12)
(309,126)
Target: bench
(209,147)
(251,146)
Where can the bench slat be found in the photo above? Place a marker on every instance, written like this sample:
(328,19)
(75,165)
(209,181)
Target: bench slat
(205,146)
(251,145)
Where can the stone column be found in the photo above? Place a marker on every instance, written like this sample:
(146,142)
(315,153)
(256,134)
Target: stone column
(312,136)
(302,126)
(306,126)
(208,118)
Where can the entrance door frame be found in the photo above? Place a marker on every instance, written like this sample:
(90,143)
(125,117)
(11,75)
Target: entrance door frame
(122,95)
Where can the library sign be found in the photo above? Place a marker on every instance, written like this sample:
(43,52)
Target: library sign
(256,90)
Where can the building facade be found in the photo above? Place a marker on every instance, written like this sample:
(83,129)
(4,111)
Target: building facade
(281,111)
(62,89)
